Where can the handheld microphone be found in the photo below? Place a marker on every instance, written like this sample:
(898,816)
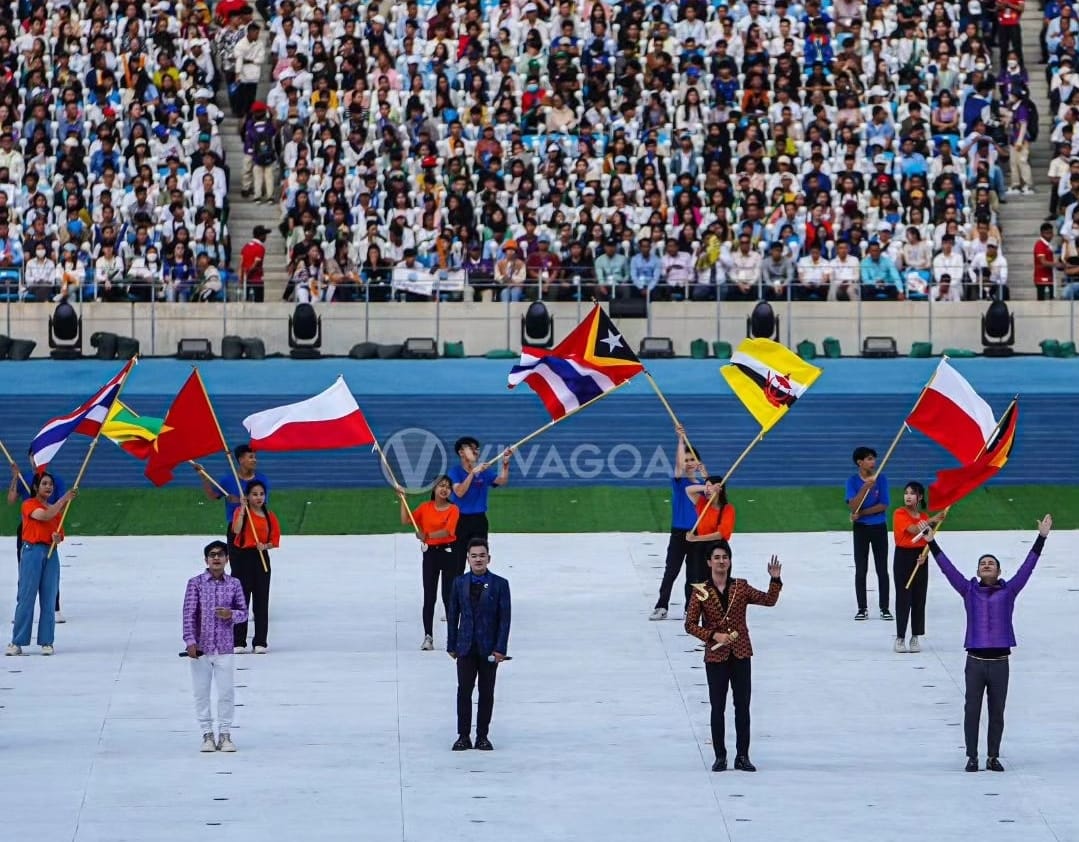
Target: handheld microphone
(491,659)
(198,653)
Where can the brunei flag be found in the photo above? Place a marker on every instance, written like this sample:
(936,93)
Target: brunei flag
(954,484)
(133,433)
(768,379)
(591,361)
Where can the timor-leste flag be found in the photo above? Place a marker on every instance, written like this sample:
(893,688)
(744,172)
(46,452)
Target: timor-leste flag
(189,431)
(592,360)
(768,379)
(954,484)
(133,433)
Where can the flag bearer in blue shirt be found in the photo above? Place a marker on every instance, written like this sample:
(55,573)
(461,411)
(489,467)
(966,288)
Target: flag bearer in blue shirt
(683,516)
(867,500)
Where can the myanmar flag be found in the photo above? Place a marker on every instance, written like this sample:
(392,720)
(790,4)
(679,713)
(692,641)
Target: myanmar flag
(954,484)
(132,432)
(768,379)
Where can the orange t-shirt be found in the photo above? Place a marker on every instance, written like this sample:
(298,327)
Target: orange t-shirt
(267,530)
(429,519)
(900,521)
(38,531)
(715,520)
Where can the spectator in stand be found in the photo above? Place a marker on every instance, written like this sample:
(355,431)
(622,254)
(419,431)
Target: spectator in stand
(249,55)
(646,269)
(510,274)
(677,273)
(880,277)
(1019,142)
(612,272)
(1045,262)
(744,274)
(989,273)
(777,274)
(260,154)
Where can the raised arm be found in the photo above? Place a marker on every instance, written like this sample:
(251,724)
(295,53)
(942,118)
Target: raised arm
(503,478)
(954,577)
(771,596)
(1022,575)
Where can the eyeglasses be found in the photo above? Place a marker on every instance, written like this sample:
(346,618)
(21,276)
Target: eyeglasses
(217,554)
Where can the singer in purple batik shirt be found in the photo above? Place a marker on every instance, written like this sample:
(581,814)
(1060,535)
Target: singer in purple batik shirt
(213,604)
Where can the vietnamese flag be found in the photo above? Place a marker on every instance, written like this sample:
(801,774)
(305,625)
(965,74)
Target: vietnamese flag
(190,431)
(954,484)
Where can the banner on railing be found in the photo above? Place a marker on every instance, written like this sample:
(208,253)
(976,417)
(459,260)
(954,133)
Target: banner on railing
(419,281)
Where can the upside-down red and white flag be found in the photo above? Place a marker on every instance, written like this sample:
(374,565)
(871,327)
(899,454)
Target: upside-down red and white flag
(953,415)
(329,421)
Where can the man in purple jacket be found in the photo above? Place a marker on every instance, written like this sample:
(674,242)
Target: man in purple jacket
(990,602)
(213,604)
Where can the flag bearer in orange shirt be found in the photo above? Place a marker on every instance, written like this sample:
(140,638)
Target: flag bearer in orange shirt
(717,524)
(910,525)
(245,559)
(437,522)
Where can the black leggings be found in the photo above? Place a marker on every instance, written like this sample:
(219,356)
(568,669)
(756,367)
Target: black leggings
(875,536)
(18,555)
(909,602)
(737,674)
(696,565)
(440,560)
(247,567)
(677,548)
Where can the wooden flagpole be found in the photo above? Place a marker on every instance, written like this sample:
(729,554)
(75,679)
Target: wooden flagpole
(670,410)
(925,550)
(723,482)
(235,474)
(11,462)
(90,450)
(550,424)
(396,485)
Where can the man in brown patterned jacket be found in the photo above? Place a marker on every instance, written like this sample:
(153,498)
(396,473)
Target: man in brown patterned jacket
(716,615)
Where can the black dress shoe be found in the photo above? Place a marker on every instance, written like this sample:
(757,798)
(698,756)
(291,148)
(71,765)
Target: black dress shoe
(484,744)
(463,743)
(993,765)
(741,762)
(972,764)
(720,765)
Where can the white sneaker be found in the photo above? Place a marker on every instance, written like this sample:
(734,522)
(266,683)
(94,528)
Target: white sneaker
(260,650)
(915,646)
(12,649)
(900,645)
(47,650)
(1027,191)
(659,614)
(428,643)
(239,650)
(224,743)
(1012,191)
(208,743)
(60,618)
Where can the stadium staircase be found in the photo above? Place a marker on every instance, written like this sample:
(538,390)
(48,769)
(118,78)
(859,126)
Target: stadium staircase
(1022,216)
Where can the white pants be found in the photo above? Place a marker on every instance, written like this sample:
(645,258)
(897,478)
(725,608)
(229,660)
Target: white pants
(206,671)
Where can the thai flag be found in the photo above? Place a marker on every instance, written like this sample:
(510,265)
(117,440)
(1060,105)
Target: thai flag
(86,420)
(563,385)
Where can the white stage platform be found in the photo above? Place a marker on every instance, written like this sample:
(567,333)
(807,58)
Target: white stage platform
(601,720)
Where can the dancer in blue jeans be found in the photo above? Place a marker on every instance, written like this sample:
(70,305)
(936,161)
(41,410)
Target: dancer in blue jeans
(990,604)
(39,565)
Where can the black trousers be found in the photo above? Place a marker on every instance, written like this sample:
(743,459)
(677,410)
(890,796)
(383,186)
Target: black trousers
(468,527)
(985,678)
(18,555)
(909,602)
(876,537)
(696,566)
(1045,292)
(247,567)
(677,548)
(245,97)
(437,561)
(471,667)
(1010,38)
(735,673)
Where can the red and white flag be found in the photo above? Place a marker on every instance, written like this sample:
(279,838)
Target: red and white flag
(953,415)
(328,421)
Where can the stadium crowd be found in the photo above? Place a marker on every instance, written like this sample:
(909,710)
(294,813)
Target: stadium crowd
(505,149)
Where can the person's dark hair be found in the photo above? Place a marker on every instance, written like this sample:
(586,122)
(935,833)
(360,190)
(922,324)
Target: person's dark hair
(990,555)
(721,544)
(35,483)
(861,453)
(441,479)
(242,450)
(722,498)
(251,485)
(918,489)
(215,545)
(465,441)
(477,542)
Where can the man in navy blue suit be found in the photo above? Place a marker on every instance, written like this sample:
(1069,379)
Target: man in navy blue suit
(478,635)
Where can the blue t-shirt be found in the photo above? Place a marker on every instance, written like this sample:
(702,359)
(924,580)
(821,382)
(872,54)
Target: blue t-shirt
(683,512)
(228,482)
(59,487)
(475,500)
(877,494)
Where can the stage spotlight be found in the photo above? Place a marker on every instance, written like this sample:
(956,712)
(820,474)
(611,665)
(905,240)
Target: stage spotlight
(763,323)
(65,333)
(537,327)
(656,347)
(998,330)
(419,348)
(304,333)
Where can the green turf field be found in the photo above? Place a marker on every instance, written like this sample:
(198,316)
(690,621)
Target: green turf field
(184,511)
